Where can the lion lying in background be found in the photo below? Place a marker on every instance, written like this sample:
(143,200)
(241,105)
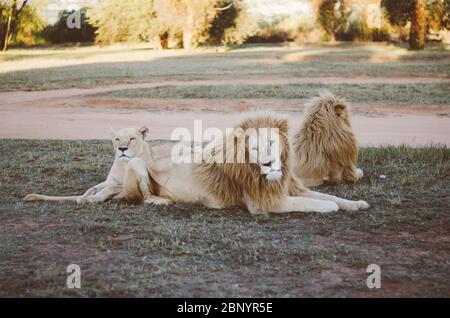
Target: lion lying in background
(148,174)
(325,147)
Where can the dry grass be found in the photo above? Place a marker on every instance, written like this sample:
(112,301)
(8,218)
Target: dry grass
(430,94)
(128,250)
(89,66)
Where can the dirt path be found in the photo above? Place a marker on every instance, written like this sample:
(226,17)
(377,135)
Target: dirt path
(92,118)
(15,97)
(69,114)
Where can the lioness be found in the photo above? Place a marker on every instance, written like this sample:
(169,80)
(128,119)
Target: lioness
(128,177)
(148,174)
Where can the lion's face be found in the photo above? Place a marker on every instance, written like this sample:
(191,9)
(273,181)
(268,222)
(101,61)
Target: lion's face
(129,142)
(267,141)
(265,150)
(263,174)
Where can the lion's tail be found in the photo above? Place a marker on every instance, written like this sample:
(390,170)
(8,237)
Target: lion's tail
(39,197)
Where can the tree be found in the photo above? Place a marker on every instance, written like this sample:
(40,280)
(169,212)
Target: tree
(438,15)
(333,17)
(191,18)
(60,33)
(418,26)
(231,25)
(12,11)
(125,21)
(27,29)
(422,15)
(148,20)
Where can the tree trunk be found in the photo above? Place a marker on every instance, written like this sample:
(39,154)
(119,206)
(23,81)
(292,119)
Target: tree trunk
(11,24)
(418,26)
(164,40)
(188,31)
(6,37)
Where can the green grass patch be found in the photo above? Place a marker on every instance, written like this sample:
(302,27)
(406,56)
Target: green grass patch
(87,67)
(179,250)
(360,93)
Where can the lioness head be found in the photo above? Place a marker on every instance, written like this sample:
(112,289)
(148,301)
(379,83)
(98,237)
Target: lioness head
(129,142)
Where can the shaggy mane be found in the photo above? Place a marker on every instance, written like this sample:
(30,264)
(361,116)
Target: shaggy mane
(228,181)
(325,140)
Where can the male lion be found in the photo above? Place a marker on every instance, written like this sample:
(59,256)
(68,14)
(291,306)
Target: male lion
(262,184)
(325,147)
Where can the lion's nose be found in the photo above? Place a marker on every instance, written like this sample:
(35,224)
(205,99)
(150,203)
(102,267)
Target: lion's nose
(266,159)
(123,148)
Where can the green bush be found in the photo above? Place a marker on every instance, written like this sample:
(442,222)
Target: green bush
(125,21)
(359,31)
(60,33)
(231,26)
(281,29)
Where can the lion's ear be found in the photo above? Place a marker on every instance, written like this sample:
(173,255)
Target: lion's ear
(284,126)
(144,132)
(340,109)
(238,132)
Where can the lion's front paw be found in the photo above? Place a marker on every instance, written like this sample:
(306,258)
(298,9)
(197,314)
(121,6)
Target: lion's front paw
(362,205)
(354,205)
(158,201)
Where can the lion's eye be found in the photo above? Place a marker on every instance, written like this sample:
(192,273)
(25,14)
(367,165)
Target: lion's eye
(132,138)
(117,139)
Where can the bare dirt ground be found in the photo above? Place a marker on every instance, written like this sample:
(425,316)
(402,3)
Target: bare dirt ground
(71,114)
